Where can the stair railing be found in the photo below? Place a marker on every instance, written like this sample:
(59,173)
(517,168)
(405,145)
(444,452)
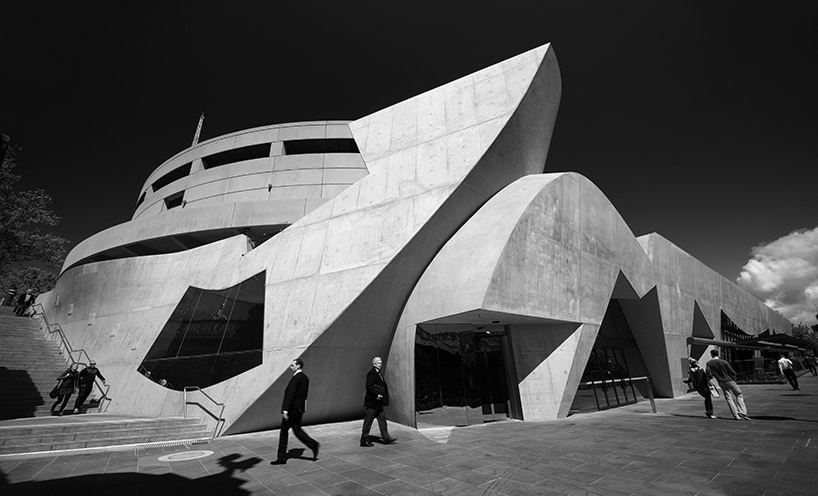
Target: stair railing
(218,418)
(66,345)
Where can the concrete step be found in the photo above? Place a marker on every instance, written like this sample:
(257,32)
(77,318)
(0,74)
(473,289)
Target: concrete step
(62,433)
(68,437)
(43,410)
(96,443)
(29,366)
(68,425)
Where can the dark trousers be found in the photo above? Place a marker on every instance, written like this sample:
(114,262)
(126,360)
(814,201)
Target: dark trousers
(370,415)
(294,423)
(82,396)
(790,375)
(64,399)
(708,401)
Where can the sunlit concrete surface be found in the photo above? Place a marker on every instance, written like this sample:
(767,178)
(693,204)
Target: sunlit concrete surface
(447,214)
(627,451)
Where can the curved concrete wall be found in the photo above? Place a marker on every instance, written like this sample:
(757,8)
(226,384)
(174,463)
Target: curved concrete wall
(276,177)
(441,229)
(336,277)
(222,201)
(544,258)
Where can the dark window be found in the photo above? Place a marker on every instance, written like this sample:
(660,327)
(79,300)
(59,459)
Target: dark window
(174,200)
(460,375)
(177,173)
(210,337)
(300,147)
(141,199)
(236,155)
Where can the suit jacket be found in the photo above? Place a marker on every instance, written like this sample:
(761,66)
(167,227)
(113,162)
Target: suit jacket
(295,396)
(87,376)
(375,385)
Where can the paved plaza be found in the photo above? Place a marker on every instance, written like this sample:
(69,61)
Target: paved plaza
(626,451)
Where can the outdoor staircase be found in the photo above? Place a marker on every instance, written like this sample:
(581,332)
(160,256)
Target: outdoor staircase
(97,431)
(29,367)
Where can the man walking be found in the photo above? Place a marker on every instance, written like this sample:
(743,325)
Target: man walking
(785,368)
(292,411)
(724,373)
(375,398)
(86,383)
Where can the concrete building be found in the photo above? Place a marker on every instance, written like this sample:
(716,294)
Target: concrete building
(426,233)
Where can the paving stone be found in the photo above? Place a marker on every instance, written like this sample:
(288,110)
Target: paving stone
(350,489)
(623,451)
(402,488)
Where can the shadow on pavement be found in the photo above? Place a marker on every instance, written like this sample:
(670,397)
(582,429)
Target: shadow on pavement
(775,417)
(23,388)
(133,483)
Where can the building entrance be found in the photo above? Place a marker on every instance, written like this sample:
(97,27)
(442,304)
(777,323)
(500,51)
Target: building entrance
(615,369)
(461,375)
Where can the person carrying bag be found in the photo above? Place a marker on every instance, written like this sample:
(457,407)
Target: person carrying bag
(697,378)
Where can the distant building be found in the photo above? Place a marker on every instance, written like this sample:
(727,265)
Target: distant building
(426,233)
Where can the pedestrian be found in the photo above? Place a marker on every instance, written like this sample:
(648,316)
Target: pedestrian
(810,361)
(85,381)
(30,311)
(698,379)
(292,412)
(725,375)
(376,397)
(22,303)
(785,368)
(67,384)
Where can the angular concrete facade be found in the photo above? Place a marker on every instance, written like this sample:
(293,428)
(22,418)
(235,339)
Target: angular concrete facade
(441,215)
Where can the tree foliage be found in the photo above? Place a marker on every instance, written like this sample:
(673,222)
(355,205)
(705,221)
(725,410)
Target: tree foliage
(22,240)
(33,278)
(803,332)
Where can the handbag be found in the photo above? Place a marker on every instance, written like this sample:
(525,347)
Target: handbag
(55,392)
(713,391)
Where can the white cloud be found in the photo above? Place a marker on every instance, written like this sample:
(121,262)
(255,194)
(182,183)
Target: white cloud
(784,274)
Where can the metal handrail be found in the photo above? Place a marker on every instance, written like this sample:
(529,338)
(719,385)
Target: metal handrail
(627,379)
(70,352)
(219,420)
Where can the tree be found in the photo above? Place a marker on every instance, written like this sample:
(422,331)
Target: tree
(22,242)
(803,332)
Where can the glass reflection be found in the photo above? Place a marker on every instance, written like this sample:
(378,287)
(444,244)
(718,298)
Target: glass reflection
(210,337)
(460,375)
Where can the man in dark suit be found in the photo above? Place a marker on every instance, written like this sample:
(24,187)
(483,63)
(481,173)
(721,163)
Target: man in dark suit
(292,411)
(376,397)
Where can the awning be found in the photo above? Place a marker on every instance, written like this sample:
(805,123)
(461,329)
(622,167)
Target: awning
(762,344)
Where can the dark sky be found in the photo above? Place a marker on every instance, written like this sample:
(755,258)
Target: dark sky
(699,120)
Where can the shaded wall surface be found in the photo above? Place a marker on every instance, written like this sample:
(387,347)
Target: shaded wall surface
(452,222)
(337,277)
(546,257)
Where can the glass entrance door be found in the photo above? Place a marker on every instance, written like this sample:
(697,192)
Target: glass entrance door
(490,368)
(460,375)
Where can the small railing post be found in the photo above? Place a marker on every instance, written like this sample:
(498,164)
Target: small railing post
(219,419)
(650,395)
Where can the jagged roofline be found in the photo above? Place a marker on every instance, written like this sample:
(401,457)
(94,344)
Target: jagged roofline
(425,180)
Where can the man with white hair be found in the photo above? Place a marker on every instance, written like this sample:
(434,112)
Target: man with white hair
(376,397)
